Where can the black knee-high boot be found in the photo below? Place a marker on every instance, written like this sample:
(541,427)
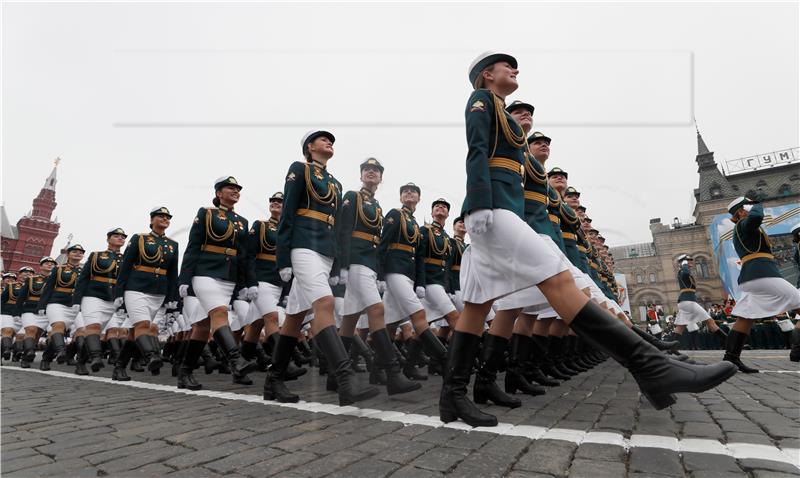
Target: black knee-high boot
(210,362)
(396,382)
(191,354)
(82,356)
(227,344)
(453,401)
(57,342)
(274,386)
(658,376)
(541,347)
(47,356)
(436,351)
(534,358)
(292,371)
(794,354)
(120,366)
(178,353)
(350,391)
(154,362)
(491,358)
(71,350)
(570,355)
(722,337)
(7,345)
(115,349)
(733,351)
(655,341)
(515,373)
(19,349)
(95,350)
(28,352)
(413,349)
(556,352)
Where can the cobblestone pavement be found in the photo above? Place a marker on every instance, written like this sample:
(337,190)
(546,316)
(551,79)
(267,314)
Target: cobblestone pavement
(594,425)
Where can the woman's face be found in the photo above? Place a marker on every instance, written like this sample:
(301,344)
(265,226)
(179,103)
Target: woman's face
(573,201)
(116,240)
(75,256)
(504,77)
(228,195)
(540,150)
(523,118)
(371,176)
(409,197)
(275,208)
(160,221)
(46,267)
(557,181)
(321,146)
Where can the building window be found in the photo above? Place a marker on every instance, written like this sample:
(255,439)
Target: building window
(652,278)
(639,279)
(701,266)
(784,190)
(715,191)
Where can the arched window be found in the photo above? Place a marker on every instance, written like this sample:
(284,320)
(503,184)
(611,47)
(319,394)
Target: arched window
(784,190)
(639,279)
(652,278)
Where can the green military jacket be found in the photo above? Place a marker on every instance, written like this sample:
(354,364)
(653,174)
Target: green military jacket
(98,277)
(554,214)
(583,250)
(60,286)
(455,268)
(31,293)
(262,247)
(536,214)
(594,266)
(360,223)
(570,226)
(400,250)
(495,156)
(311,201)
(11,293)
(754,248)
(437,255)
(687,285)
(150,265)
(217,247)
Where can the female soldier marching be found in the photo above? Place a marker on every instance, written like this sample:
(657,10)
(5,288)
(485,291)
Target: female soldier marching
(33,320)
(214,261)
(56,300)
(306,248)
(148,279)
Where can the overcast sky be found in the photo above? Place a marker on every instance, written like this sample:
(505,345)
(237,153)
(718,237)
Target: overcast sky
(147,104)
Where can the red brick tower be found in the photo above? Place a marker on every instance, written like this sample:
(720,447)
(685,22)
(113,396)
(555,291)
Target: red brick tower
(34,234)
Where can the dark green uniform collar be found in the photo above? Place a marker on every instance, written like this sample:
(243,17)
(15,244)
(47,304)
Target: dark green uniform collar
(436,224)
(407,210)
(367,192)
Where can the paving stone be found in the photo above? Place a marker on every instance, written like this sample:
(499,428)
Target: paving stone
(153,469)
(717,474)
(25,462)
(407,451)
(483,465)
(303,440)
(547,456)
(706,461)
(370,467)
(702,430)
(125,463)
(197,458)
(239,460)
(506,445)
(583,468)
(18,453)
(766,466)
(600,451)
(412,472)
(440,459)
(773,474)
(8,446)
(340,442)
(328,464)
(655,461)
(277,464)
(471,440)
(59,468)
(198,472)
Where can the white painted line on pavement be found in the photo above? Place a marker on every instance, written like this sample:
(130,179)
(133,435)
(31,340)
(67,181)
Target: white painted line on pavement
(779,371)
(695,445)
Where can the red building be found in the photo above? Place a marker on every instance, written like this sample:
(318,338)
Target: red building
(32,238)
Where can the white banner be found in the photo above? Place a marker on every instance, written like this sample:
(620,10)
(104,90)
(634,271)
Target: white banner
(622,291)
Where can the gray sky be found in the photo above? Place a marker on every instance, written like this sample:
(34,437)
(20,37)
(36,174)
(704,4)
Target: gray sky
(147,104)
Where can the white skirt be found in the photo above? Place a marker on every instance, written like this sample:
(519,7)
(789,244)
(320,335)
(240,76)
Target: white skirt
(459,301)
(268,297)
(766,297)
(238,314)
(34,320)
(338,307)
(508,257)
(437,303)
(363,322)
(117,320)
(212,293)
(97,311)
(142,307)
(8,322)
(78,323)
(311,273)
(362,289)
(60,313)
(690,312)
(400,300)
(192,310)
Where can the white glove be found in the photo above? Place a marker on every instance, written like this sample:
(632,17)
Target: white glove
(118,302)
(183,290)
(173,304)
(478,221)
(333,280)
(242,294)
(286,274)
(343,276)
(420,292)
(76,307)
(381,286)
(252,292)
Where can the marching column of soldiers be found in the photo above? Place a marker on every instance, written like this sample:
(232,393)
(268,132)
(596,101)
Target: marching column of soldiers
(330,279)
